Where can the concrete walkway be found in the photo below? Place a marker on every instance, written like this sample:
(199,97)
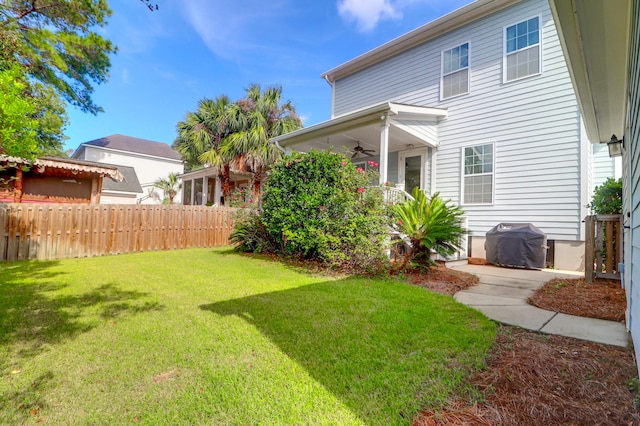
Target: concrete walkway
(502,295)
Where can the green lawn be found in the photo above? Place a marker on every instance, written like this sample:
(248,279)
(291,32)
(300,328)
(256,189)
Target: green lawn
(206,336)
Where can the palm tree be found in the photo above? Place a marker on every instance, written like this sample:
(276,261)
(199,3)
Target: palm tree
(201,136)
(170,186)
(255,120)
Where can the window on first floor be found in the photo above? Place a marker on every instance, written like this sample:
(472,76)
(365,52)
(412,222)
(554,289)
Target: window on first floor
(522,49)
(477,174)
(455,71)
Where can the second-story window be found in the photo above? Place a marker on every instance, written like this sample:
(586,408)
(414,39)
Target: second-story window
(522,49)
(455,71)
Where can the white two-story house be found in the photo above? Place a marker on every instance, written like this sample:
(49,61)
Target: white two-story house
(477,105)
(141,161)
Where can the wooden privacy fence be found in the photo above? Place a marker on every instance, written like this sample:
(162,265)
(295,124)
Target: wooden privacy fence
(58,231)
(603,246)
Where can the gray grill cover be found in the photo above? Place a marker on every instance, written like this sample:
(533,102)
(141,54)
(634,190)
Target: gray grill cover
(516,244)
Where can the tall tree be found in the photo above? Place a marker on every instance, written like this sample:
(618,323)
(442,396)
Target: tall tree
(257,118)
(201,135)
(18,136)
(54,41)
(46,112)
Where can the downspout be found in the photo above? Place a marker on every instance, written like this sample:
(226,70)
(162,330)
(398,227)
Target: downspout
(333,94)
(285,151)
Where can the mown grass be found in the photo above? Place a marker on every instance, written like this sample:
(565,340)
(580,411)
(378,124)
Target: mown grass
(211,337)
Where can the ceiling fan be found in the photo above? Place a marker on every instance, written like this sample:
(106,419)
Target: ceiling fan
(360,150)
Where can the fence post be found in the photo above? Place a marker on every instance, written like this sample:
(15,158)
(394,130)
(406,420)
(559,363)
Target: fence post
(589,248)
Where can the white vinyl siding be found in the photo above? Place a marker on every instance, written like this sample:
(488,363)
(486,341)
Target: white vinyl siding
(477,171)
(535,123)
(603,165)
(149,169)
(455,71)
(631,185)
(522,49)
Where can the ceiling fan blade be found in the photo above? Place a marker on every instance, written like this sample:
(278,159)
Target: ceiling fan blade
(354,154)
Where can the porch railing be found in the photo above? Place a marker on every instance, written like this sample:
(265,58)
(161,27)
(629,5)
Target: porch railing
(393,195)
(603,246)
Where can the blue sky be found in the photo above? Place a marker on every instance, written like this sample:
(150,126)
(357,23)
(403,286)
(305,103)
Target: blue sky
(169,59)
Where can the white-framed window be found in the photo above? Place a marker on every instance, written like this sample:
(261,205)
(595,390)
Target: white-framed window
(455,71)
(522,50)
(477,174)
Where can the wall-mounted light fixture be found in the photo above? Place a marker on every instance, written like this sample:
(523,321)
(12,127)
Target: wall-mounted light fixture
(615,146)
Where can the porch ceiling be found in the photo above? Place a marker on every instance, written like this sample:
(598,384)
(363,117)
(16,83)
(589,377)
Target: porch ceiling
(594,35)
(364,126)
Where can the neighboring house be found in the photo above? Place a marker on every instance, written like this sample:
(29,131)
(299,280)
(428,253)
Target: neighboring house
(53,180)
(126,191)
(601,41)
(202,187)
(150,160)
(477,105)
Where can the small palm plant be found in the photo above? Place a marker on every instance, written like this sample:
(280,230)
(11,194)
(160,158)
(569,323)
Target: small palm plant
(431,225)
(170,186)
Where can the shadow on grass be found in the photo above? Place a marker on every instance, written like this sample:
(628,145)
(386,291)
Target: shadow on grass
(33,316)
(385,350)
(28,401)
(300,266)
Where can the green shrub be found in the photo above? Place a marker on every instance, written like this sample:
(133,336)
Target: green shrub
(431,224)
(317,206)
(249,233)
(607,198)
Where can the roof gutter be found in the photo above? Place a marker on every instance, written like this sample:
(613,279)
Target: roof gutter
(459,17)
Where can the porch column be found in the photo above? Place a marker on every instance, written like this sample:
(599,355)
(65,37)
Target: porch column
(96,189)
(384,151)
(217,192)
(17,186)
(205,190)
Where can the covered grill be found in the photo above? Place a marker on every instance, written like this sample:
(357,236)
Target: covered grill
(519,245)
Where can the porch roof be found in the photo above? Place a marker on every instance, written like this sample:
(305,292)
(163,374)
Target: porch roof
(213,172)
(594,35)
(408,125)
(70,166)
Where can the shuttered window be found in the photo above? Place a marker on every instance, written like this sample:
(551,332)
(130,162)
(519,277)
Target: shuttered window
(522,49)
(455,71)
(477,178)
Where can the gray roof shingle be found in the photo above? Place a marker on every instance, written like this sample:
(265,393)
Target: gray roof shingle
(131,144)
(129,184)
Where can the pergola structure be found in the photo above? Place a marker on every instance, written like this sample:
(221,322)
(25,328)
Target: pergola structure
(53,180)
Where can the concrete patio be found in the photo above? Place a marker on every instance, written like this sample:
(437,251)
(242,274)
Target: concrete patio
(502,295)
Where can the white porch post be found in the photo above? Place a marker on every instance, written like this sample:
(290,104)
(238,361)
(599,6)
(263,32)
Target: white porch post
(217,192)
(205,190)
(384,152)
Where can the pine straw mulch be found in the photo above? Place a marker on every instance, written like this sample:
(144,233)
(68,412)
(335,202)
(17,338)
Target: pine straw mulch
(441,279)
(604,299)
(546,380)
(532,378)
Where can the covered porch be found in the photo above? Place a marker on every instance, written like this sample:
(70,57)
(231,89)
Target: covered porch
(402,139)
(203,188)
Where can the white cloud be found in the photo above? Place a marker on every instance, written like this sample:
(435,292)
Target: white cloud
(367,13)
(229,30)
(125,76)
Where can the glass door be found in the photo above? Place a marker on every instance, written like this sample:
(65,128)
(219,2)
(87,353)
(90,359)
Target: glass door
(412,169)
(412,172)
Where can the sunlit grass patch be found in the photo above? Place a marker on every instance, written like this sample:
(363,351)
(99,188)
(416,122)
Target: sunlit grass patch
(208,336)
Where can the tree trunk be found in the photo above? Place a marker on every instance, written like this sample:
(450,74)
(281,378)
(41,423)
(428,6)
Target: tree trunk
(225,180)
(257,182)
